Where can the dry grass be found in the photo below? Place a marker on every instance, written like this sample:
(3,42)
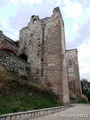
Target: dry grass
(18,94)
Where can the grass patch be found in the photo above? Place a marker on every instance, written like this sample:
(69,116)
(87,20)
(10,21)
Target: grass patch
(24,103)
(17,94)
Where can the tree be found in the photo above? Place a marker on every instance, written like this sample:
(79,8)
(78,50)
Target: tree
(85,84)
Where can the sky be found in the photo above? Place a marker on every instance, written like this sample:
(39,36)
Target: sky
(15,14)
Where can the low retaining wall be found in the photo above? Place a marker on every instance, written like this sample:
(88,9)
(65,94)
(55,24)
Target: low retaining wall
(31,114)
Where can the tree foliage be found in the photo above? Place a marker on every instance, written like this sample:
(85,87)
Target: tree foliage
(85,84)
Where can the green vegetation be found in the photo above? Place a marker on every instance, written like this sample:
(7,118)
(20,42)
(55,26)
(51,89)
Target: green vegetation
(18,94)
(85,84)
(75,99)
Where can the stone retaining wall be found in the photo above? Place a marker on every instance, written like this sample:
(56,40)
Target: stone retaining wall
(31,114)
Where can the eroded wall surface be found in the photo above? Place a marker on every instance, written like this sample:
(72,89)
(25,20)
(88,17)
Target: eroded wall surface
(43,42)
(9,58)
(13,63)
(73,72)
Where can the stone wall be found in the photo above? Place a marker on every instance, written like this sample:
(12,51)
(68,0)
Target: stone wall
(43,42)
(73,72)
(43,48)
(13,63)
(7,43)
(27,115)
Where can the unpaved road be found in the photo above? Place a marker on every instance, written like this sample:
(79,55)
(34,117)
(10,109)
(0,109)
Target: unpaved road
(77,112)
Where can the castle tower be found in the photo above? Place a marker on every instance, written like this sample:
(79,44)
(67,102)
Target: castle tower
(73,72)
(43,42)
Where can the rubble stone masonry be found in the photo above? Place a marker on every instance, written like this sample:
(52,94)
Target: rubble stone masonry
(9,58)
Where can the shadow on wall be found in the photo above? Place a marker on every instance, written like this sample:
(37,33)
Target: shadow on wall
(24,57)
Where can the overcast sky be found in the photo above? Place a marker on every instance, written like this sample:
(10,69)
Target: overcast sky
(15,14)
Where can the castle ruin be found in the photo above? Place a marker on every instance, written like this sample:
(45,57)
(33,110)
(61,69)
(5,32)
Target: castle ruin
(43,49)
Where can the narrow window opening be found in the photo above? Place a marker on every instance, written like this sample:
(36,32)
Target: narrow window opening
(34,21)
(24,57)
(70,63)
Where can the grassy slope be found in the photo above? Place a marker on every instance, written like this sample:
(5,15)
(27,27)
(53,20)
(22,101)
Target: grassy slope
(18,94)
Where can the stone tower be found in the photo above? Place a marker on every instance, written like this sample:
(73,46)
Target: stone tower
(42,44)
(73,72)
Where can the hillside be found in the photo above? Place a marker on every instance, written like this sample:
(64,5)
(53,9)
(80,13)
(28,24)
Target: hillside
(19,94)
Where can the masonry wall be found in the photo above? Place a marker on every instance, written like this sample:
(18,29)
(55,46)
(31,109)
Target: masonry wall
(43,42)
(13,63)
(7,43)
(73,72)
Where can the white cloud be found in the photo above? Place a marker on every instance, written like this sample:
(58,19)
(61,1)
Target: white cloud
(73,10)
(26,2)
(15,2)
(4,23)
(66,2)
(58,2)
(84,50)
(84,59)
(86,16)
(32,1)
(75,28)
(51,1)
(72,32)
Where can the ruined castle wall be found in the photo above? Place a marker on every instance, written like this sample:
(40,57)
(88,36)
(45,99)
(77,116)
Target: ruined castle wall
(7,43)
(73,72)
(43,41)
(8,56)
(13,63)
(65,88)
(55,56)
(30,45)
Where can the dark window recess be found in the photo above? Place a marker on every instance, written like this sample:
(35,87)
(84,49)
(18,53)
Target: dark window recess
(42,59)
(24,57)
(38,54)
(30,42)
(34,21)
(38,39)
(70,63)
